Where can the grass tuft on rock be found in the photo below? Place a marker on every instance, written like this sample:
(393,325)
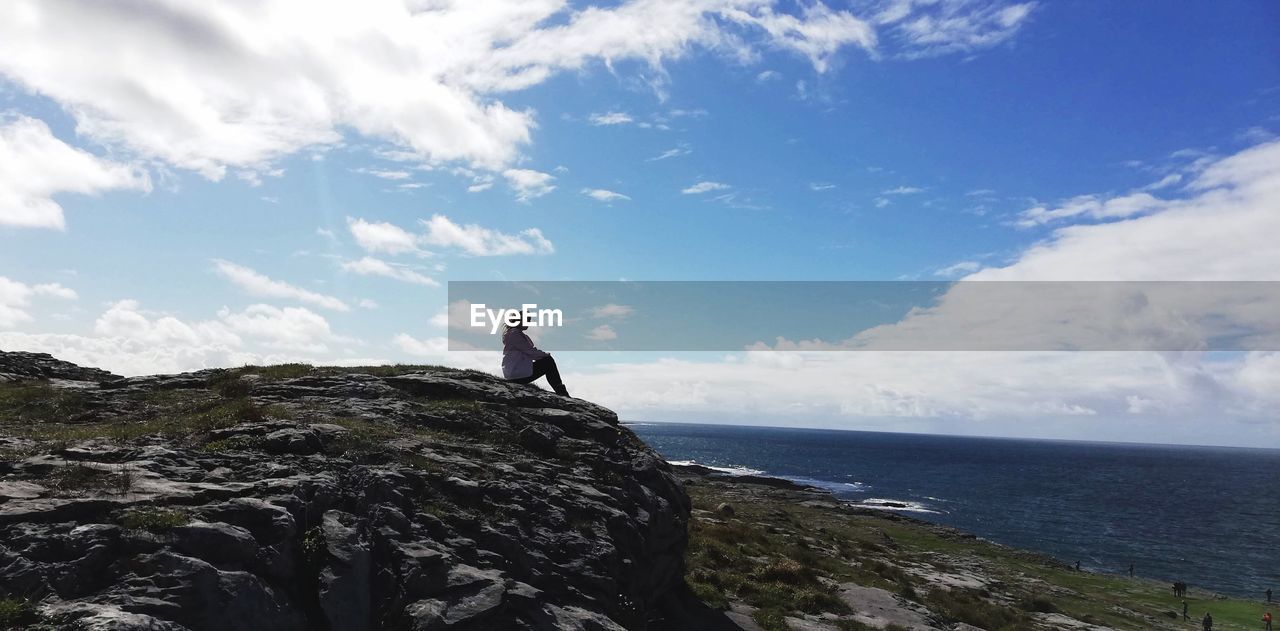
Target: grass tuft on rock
(80,479)
(180,421)
(971,607)
(1037,604)
(39,402)
(17,614)
(155,520)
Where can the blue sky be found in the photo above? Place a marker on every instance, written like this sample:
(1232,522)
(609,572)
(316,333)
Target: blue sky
(184,187)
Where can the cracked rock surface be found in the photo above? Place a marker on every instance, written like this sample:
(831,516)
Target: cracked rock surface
(292,497)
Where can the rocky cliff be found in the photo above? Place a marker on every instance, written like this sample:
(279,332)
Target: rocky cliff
(293,497)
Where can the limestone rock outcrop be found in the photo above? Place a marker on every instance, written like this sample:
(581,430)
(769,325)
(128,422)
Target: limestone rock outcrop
(293,497)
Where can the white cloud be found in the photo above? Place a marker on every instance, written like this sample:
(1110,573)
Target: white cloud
(903,190)
(369,266)
(704,187)
(126,320)
(386,174)
(1140,405)
(888,384)
(1164,182)
(612,310)
(688,113)
(602,333)
(257,284)
(768,75)
(479,241)
(1065,394)
(670,153)
(441,319)
(456,315)
(288,328)
(958,269)
(129,340)
(382,237)
(1255,135)
(16,296)
(479,181)
(735,200)
(1092,206)
(1224,229)
(435,346)
(435,350)
(933,27)
(127,356)
(821,186)
(254,177)
(603,195)
(35,166)
(610,118)
(239,86)
(818,33)
(441,232)
(529,184)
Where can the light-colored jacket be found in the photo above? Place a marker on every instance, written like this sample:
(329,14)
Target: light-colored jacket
(518,353)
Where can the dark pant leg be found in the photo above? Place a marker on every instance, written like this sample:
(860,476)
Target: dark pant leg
(545,367)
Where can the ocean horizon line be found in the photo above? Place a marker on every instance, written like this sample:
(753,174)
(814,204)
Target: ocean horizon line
(1030,439)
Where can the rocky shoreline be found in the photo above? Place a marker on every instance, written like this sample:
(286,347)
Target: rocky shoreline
(293,497)
(774,555)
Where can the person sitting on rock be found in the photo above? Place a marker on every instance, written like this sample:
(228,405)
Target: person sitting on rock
(522,362)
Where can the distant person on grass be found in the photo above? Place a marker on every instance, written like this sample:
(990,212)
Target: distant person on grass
(1266,619)
(1268,594)
(522,362)
(1208,622)
(1184,611)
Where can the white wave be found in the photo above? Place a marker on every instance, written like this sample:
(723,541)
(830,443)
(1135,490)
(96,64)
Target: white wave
(834,487)
(905,506)
(731,470)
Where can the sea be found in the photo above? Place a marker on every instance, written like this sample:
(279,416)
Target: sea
(1209,516)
